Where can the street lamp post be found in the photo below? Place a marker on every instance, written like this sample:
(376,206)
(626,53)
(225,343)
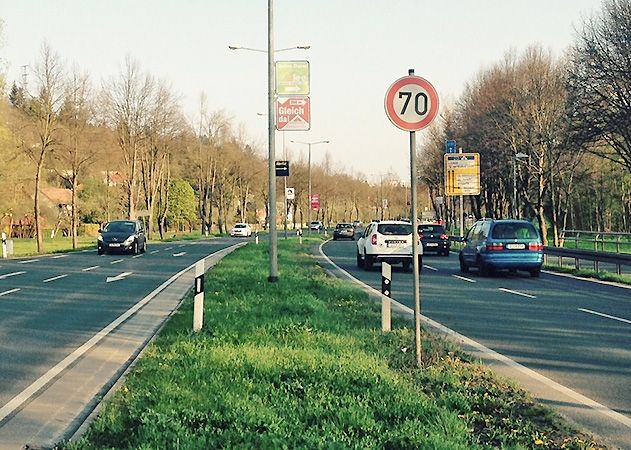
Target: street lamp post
(516,157)
(309,176)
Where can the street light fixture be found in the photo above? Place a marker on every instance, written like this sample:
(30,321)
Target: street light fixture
(297,47)
(309,176)
(516,157)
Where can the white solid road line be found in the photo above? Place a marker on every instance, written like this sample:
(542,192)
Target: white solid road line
(12,274)
(28,261)
(510,291)
(589,311)
(117,261)
(10,291)
(87,269)
(55,278)
(620,418)
(464,278)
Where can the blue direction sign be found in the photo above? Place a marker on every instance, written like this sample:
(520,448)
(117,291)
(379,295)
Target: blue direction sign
(450,147)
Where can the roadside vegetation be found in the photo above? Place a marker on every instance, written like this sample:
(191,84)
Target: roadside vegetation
(302,363)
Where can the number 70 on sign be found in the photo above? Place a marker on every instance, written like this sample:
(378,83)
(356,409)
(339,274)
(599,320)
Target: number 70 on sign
(411,103)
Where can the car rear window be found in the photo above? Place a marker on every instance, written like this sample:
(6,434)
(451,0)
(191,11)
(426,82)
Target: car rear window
(398,229)
(431,229)
(514,231)
(344,225)
(240,225)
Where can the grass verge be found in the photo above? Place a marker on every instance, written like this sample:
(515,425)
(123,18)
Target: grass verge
(302,364)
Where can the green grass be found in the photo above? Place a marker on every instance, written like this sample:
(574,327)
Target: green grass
(59,244)
(302,364)
(590,273)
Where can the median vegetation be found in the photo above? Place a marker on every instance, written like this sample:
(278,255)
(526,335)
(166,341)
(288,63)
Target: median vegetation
(302,363)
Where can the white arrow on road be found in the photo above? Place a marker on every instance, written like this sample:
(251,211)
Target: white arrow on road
(118,277)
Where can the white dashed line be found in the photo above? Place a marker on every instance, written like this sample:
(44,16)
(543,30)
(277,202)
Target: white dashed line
(117,261)
(12,274)
(136,256)
(517,293)
(55,278)
(430,267)
(28,261)
(11,291)
(58,256)
(168,248)
(179,254)
(589,311)
(154,252)
(87,269)
(464,279)
(182,245)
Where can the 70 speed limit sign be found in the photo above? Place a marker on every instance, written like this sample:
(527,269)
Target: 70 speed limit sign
(411,103)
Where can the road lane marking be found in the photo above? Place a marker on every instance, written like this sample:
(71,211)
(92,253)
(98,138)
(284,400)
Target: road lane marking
(118,277)
(589,311)
(464,278)
(430,267)
(117,261)
(179,254)
(58,256)
(12,274)
(87,269)
(168,248)
(137,256)
(516,293)
(489,353)
(182,245)
(153,252)
(28,261)
(10,291)
(55,278)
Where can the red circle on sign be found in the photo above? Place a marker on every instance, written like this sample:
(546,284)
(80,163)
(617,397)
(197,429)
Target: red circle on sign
(396,118)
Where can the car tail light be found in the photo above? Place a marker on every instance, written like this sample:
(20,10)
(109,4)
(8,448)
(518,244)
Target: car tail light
(535,246)
(444,236)
(494,247)
(420,236)
(373,239)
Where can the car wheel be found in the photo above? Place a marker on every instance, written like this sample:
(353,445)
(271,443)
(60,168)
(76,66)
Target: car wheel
(420,263)
(100,251)
(446,253)
(144,247)
(535,273)
(334,238)
(407,265)
(484,269)
(463,266)
(360,262)
(368,262)
(134,248)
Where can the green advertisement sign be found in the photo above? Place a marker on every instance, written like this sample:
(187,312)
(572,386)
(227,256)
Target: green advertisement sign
(292,77)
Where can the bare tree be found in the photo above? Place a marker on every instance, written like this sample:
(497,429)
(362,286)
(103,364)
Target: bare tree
(126,102)
(599,83)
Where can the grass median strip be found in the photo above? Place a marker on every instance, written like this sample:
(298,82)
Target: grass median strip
(302,363)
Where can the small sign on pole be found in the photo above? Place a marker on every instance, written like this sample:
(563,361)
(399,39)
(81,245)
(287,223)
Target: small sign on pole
(198,306)
(282,168)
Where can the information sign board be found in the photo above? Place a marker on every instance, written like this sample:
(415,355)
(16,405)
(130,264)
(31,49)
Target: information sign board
(462,173)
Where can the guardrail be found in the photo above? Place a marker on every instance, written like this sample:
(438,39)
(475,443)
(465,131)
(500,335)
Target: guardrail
(598,240)
(596,257)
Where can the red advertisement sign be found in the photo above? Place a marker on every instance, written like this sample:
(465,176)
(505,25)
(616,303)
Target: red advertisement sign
(315,201)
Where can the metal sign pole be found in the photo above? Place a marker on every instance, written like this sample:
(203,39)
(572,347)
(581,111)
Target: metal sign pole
(415,262)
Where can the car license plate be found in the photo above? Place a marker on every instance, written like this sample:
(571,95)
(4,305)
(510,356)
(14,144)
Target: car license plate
(394,243)
(515,246)
(115,245)
(432,244)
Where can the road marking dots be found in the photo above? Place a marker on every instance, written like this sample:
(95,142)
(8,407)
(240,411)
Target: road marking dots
(589,311)
(117,261)
(516,293)
(12,274)
(28,261)
(87,269)
(10,291)
(430,267)
(464,278)
(55,278)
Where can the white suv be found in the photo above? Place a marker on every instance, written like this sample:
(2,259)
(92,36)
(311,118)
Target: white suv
(388,240)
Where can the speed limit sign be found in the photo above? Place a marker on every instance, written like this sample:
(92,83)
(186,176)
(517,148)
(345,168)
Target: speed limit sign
(411,103)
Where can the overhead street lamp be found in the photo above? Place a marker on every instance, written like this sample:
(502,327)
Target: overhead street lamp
(273,238)
(309,176)
(517,157)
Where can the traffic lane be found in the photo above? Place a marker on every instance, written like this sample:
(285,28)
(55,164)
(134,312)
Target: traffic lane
(42,324)
(543,333)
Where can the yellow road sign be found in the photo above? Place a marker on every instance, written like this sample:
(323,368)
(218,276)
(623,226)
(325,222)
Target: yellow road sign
(462,173)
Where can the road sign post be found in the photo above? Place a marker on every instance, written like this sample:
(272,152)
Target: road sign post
(411,104)
(198,305)
(386,293)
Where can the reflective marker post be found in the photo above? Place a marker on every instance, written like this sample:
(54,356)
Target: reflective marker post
(4,245)
(386,293)
(198,307)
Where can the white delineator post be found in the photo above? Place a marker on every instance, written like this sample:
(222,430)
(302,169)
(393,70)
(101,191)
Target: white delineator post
(4,245)
(198,307)
(386,293)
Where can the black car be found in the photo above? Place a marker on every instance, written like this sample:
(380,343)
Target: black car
(434,238)
(122,236)
(344,231)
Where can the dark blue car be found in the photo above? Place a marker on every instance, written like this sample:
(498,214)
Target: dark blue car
(505,244)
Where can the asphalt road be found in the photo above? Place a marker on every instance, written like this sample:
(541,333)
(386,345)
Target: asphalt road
(51,305)
(577,333)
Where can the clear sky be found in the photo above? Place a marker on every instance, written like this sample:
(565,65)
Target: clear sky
(358,48)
